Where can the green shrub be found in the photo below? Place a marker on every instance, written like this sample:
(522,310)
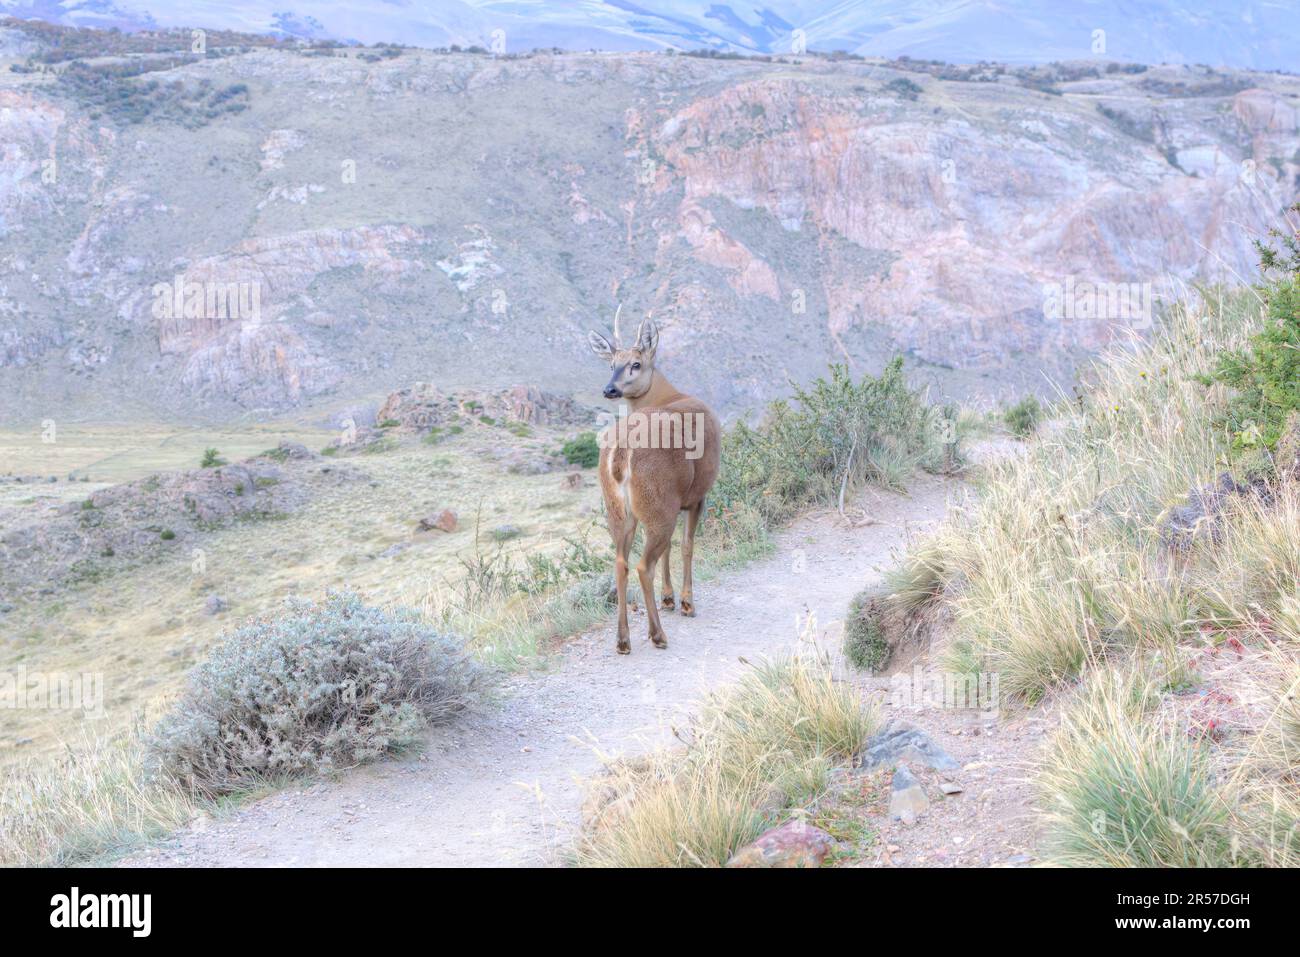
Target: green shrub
(837,435)
(865,644)
(582,450)
(326,685)
(211,459)
(907,89)
(1023,417)
(1266,374)
(166,534)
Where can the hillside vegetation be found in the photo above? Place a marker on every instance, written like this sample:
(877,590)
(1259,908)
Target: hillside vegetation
(1141,561)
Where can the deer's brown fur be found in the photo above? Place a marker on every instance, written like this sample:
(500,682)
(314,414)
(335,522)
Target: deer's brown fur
(652,486)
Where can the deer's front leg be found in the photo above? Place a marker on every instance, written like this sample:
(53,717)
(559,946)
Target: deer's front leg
(623,549)
(620,583)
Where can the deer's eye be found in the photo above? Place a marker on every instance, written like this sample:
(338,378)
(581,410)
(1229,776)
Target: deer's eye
(636,366)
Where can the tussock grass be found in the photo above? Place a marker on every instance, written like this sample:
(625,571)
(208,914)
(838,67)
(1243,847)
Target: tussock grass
(96,803)
(769,741)
(1126,789)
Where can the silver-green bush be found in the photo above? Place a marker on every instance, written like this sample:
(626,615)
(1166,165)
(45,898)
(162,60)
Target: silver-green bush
(327,685)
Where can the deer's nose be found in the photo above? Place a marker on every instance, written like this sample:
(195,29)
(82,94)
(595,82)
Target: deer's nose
(611,392)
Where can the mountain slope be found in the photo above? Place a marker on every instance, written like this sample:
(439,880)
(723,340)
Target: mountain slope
(1263,34)
(465,219)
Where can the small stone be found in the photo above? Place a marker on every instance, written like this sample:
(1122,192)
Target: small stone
(794,844)
(907,800)
(444,521)
(503,533)
(947,787)
(215,605)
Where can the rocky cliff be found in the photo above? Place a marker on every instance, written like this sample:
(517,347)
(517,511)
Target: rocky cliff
(271,228)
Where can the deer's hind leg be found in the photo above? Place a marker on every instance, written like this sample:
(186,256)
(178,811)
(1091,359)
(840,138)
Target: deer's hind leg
(668,599)
(656,544)
(688,558)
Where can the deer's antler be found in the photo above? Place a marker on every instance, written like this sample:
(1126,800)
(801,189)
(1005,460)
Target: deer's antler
(617,344)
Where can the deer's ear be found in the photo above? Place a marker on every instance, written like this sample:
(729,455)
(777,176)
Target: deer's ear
(647,338)
(600,345)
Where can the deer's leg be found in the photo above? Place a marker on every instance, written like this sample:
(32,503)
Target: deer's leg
(688,558)
(656,544)
(667,598)
(622,549)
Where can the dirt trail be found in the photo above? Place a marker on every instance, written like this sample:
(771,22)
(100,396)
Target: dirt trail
(505,787)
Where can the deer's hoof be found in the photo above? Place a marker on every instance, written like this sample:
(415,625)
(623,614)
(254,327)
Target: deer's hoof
(688,608)
(669,602)
(660,641)
(625,647)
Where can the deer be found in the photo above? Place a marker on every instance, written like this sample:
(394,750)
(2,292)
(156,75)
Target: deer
(656,462)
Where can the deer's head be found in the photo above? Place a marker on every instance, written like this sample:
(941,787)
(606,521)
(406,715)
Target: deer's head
(632,369)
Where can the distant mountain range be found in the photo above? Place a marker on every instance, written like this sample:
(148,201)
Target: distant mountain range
(1250,34)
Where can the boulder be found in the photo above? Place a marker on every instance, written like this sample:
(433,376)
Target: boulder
(444,521)
(794,844)
(1201,517)
(899,741)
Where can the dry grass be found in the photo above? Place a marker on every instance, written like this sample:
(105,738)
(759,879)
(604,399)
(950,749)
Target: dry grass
(1126,789)
(1060,577)
(754,749)
(96,803)
(1060,561)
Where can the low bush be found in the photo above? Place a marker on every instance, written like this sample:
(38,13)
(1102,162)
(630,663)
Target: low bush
(326,685)
(1023,417)
(866,643)
(1265,375)
(582,450)
(836,436)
